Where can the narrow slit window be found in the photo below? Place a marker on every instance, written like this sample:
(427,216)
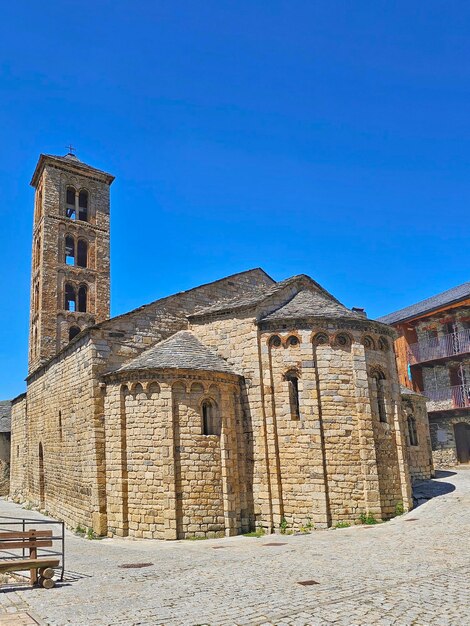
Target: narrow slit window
(210,420)
(380,396)
(294,401)
(70,298)
(412,432)
(82,253)
(82,299)
(69,251)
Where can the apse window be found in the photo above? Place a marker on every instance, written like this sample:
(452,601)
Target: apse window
(210,419)
(294,402)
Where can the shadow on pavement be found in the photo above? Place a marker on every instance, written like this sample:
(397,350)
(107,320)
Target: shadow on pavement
(424,490)
(444,473)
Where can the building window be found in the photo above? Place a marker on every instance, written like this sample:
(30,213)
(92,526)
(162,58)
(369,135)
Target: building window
(343,340)
(70,298)
(82,299)
(379,379)
(383,344)
(82,253)
(320,339)
(275,341)
(293,386)
(69,251)
(368,343)
(73,332)
(210,420)
(83,206)
(293,341)
(70,210)
(412,432)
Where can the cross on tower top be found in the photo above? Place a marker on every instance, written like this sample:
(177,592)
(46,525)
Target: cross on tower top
(71,149)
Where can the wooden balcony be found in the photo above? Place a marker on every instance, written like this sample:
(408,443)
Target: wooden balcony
(448,398)
(455,344)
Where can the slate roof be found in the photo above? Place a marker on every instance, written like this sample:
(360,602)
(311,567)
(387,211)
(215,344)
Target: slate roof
(251,300)
(5,416)
(68,159)
(409,392)
(428,305)
(309,303)
(182,351)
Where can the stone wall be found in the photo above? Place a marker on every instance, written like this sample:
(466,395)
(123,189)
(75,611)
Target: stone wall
(166,479)
(65,454)
(314,469)
(444,450)
(420,460)
(19,475)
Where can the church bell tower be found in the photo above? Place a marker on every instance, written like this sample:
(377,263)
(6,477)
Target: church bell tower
(70,273)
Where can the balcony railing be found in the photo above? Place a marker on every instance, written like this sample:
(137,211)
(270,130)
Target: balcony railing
(445,398)
(440,347)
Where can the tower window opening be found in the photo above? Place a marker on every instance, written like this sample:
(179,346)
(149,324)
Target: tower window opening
(210,420)
(294,401)
(69,251)
(82,299)
(70,209)
(83,206)
(82,253)
(70,298)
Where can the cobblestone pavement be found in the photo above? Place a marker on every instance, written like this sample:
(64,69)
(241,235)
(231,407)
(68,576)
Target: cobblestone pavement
(412,570)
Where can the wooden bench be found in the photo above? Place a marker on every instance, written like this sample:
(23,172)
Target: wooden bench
(41,568)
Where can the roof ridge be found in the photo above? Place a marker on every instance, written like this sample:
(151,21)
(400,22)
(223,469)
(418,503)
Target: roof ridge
(417,307)
(172,295)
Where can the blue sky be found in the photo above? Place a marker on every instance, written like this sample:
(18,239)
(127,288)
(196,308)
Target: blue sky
(319,137)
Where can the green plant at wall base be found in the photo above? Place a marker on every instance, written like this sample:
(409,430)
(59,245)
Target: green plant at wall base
(343,525)
(368,518)
(259,532)
(80,530)
(399,508)
(283,526)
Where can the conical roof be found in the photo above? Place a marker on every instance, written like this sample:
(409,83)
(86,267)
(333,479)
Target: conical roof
(181,351)
(307,303)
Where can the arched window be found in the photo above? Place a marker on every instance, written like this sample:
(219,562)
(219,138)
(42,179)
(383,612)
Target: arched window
(82,253)
(412,432)
(343,340)
(320,339)
(383,344)
(36,298)
(293,341)
(82,299)
(210,420)
(275,341)
(37,252)
(70,298)
(73,332)
(293,384)
(70,209)
(368,342)
(69,250)
(83,206)
(379,379)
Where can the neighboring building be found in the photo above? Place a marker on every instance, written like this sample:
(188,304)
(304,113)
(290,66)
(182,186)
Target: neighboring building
(5,434)
(240,403)
(433,357)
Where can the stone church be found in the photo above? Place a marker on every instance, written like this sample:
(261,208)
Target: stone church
(238,404)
